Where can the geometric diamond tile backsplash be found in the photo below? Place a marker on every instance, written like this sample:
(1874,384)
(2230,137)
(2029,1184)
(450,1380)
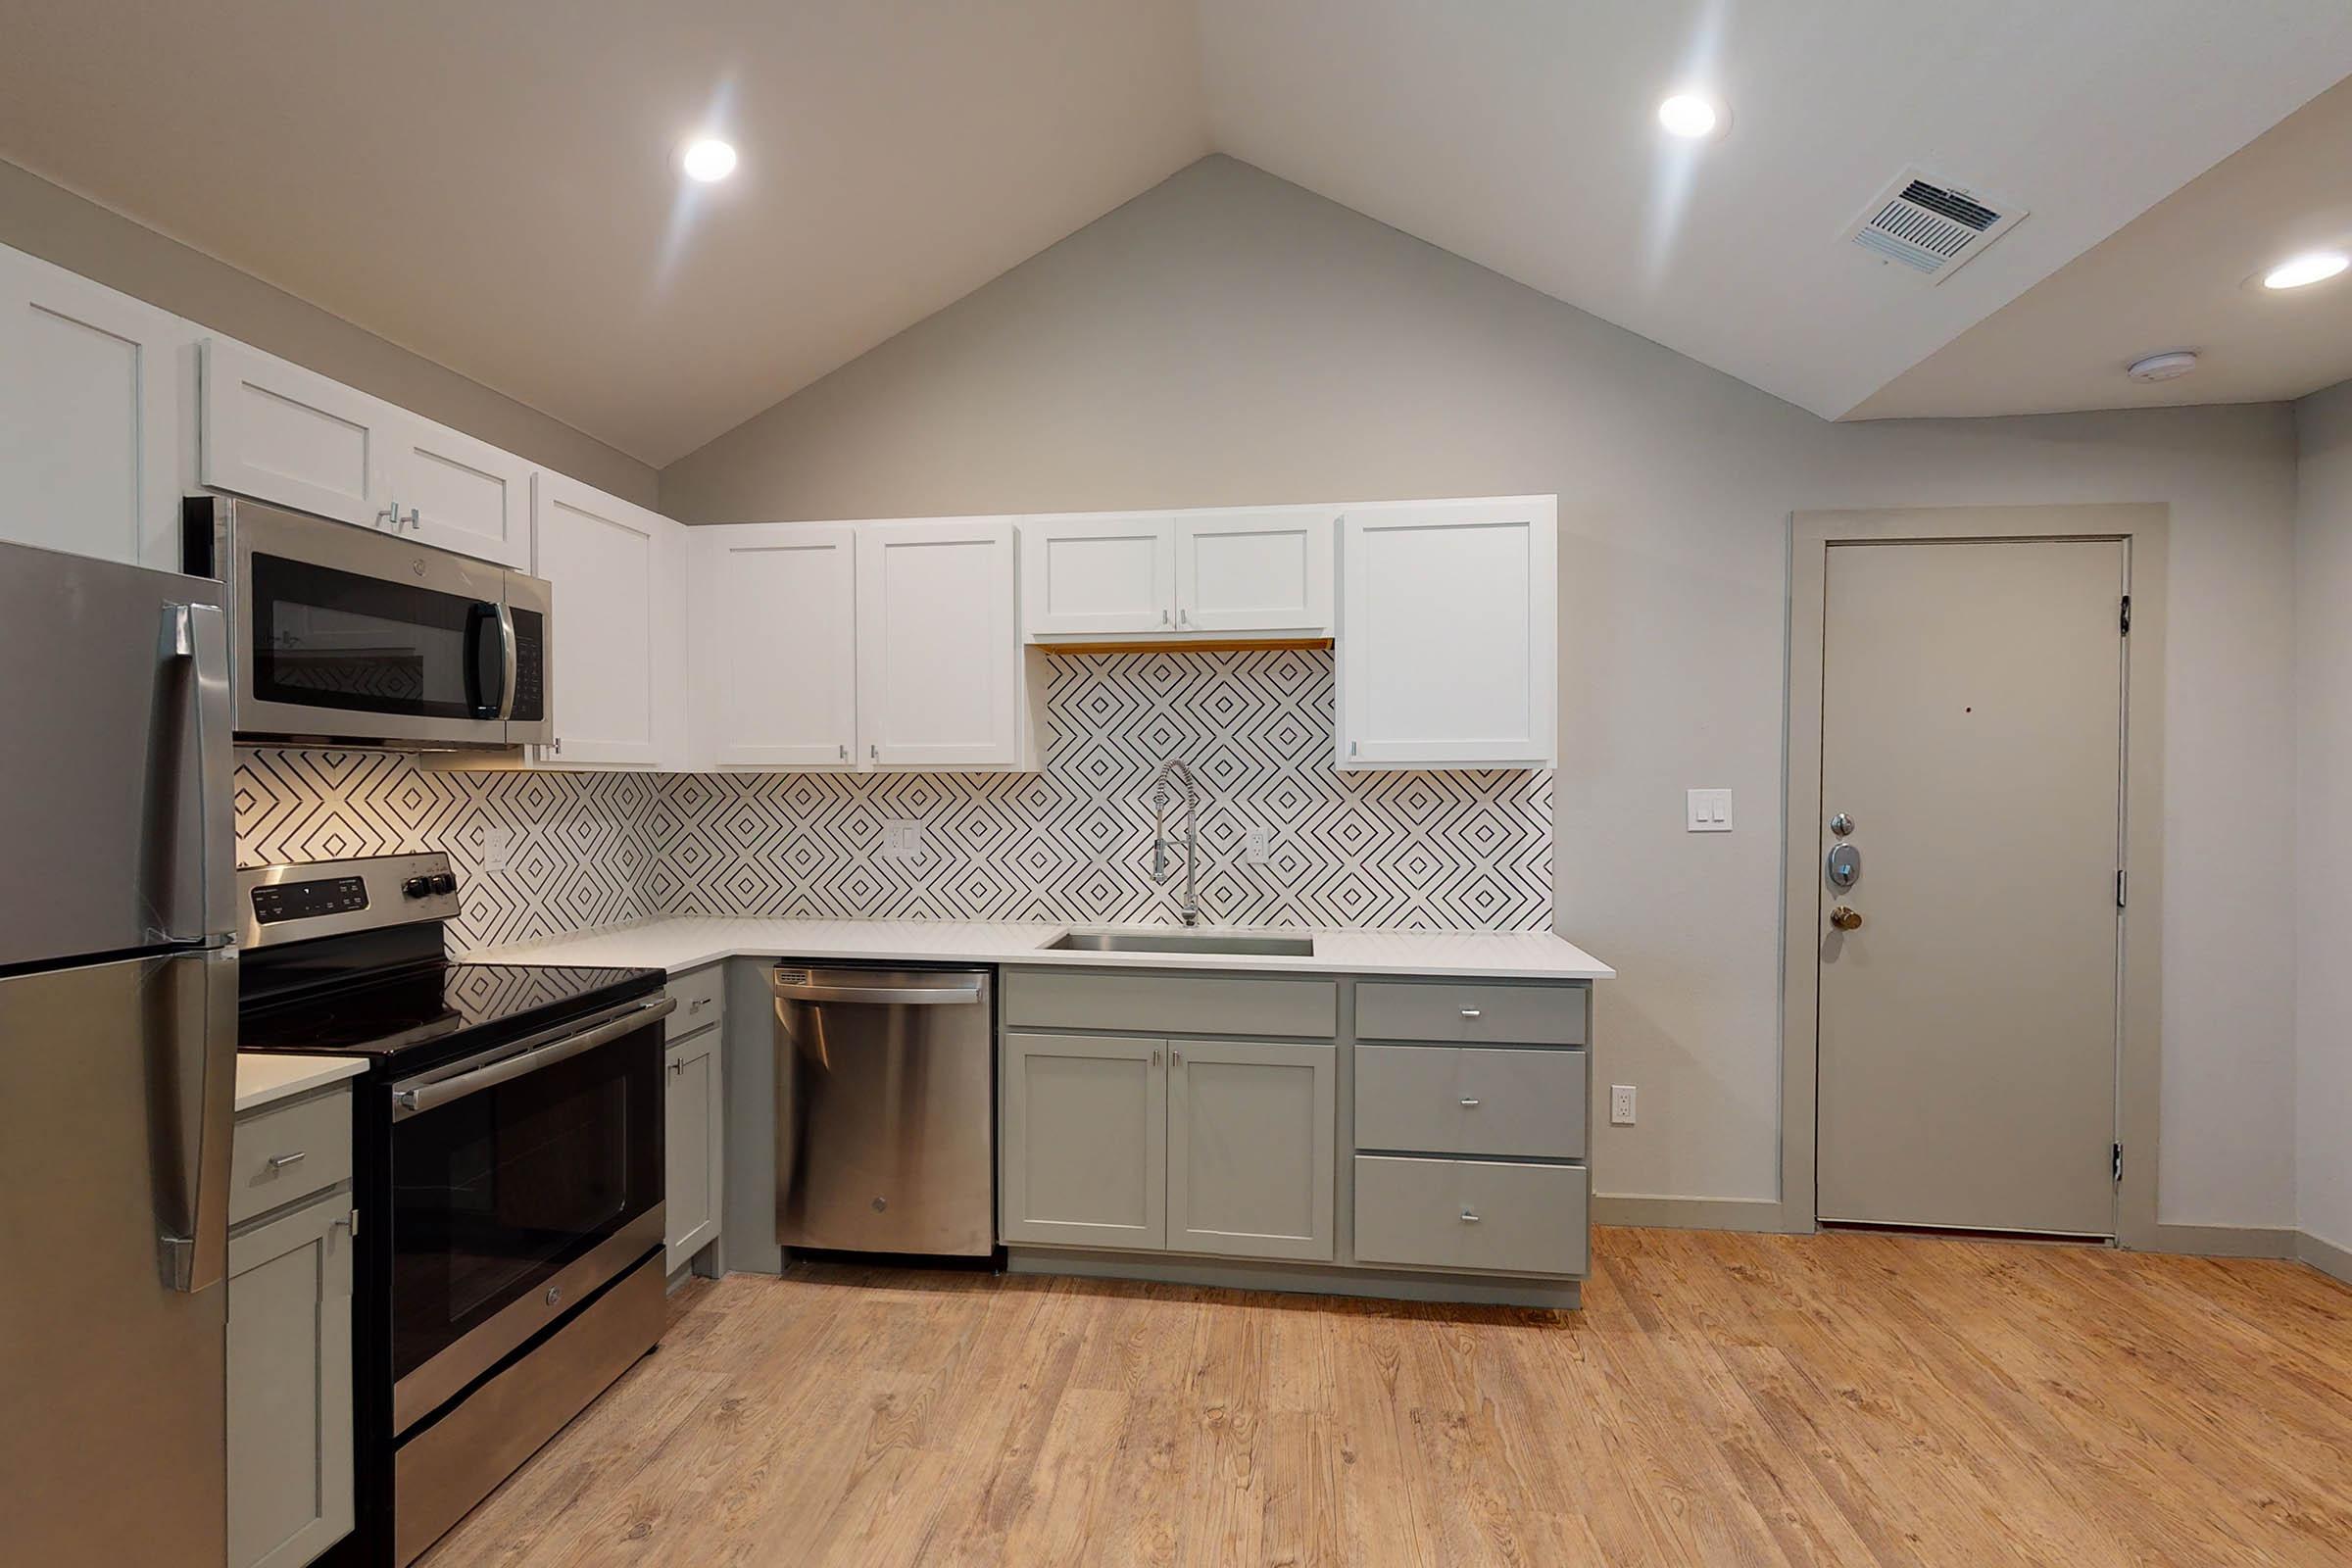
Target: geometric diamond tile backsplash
(1071,842)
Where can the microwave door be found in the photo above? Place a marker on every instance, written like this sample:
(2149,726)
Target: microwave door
(350,635)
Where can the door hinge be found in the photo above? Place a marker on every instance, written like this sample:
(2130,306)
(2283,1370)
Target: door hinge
(2117,1158)
(2126,615)
(2121,886)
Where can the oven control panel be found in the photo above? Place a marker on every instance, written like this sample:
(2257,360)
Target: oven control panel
(296,902)
(302,900)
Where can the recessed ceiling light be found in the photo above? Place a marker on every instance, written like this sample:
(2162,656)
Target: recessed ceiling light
(1692,116)
(2312,266)
(2166,367)
(707,159)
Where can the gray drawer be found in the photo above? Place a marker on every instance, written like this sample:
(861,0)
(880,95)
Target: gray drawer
(1471,1100)
(700,996)
(1471,1012)
(1529,1219)
(1170,1004)
(286,1152)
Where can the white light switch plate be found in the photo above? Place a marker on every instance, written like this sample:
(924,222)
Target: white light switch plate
(1621,1104)
(1709,811)
(498,848)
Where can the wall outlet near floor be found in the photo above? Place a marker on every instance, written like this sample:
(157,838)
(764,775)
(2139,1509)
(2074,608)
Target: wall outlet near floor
(903,840)
(1257,845)
(1621,1104)
(1708,811)
(498,848)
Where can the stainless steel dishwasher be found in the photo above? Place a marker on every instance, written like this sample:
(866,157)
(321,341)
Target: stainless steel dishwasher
(885,1122)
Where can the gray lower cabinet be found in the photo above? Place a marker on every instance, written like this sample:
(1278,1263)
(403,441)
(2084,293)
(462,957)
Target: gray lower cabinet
(1493,1216)
(692,1148)
(289,1385)
(1250,1140)
(1083,1156)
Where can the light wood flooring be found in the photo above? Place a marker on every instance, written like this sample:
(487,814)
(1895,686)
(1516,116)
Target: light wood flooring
(1839,1398)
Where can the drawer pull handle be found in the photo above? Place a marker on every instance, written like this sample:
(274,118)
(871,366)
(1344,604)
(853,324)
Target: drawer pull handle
(1468,1217)
(697,1005)
(1469,1102)
(676,1067)
(1469,1013)
(278,1162)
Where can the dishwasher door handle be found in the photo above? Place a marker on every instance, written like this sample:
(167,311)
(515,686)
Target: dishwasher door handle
(884,996)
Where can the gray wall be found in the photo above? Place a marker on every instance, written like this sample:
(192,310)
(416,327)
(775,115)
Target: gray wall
(2324,835)
(1230,338)
(56,224)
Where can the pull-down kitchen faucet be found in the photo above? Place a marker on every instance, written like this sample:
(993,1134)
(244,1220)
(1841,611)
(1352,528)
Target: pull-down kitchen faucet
(1163,796)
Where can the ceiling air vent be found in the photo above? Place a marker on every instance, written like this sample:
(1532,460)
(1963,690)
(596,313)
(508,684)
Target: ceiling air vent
(1931,227)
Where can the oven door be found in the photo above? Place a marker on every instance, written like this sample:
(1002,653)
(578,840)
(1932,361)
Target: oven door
(523,1179)
(351,635)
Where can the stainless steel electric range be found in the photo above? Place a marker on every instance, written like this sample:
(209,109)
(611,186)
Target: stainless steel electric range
(508,1183)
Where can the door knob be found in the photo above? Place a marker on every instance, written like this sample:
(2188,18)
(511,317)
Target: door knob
(1846,919)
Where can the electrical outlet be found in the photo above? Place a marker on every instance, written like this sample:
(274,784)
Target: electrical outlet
(1621,1104)
(1707,811)
(902,840)
(1257,845)
(498,848)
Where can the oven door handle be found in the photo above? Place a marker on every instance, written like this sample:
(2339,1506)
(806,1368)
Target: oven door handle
(416,1100)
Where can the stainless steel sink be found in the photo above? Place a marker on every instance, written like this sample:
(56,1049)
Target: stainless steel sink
(1183,941)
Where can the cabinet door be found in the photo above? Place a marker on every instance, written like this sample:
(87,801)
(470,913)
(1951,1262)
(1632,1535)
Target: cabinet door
(1255,571)
(289,1387)
(1448,635)
(620,675)
(774,635)
(1112,573)
(1084,1155)
(278,432)
(450,490)
(89,417)
(692,1149)
(1251,1143)
(939,656)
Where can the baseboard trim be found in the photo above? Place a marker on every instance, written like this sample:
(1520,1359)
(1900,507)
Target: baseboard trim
(2329,1259)
(1301,1279)
(2219,1241)
(1693,1213)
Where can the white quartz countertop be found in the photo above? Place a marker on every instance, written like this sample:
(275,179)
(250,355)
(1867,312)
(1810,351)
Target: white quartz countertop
(678,943)
(264,1080)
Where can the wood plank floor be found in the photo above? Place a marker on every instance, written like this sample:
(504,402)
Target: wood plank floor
(1839,1399)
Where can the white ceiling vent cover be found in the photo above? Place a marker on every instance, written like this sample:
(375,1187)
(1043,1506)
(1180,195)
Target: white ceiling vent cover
(1933,228)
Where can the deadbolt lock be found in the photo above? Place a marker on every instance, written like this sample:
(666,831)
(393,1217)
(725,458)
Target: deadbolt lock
(1846,919)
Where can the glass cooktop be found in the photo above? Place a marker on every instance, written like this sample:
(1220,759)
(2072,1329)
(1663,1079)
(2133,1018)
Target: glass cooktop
(389,1014)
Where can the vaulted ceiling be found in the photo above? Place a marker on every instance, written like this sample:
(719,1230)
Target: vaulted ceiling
(495,186)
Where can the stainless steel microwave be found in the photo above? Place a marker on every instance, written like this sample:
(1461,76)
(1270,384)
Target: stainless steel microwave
(345,635)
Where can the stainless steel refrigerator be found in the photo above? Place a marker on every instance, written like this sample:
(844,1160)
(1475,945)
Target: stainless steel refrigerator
(118,1061)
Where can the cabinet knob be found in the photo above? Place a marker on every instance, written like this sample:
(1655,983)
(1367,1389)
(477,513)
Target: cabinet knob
(411,522)
(676,1067)
(845,750)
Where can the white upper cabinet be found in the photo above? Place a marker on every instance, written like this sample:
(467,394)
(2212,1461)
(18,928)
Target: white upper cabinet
(1172,576)
(1448,636)
(278,432)
(620,660)
(450,490)
(90,400)
(773,644)
(940,662)
(1260,571)
(1110,573)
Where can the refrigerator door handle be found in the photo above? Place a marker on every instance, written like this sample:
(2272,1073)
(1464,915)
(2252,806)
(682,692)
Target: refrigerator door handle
(199,634)
(192,1089)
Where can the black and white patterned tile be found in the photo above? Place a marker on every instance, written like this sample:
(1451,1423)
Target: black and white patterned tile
(1073,842)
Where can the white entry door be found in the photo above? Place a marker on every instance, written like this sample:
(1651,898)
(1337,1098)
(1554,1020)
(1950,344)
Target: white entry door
(1972,755)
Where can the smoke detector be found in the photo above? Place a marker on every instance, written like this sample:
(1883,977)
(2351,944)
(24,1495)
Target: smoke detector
(1932,227)
(2169,366)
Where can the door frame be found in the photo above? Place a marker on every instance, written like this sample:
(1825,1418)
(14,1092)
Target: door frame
(2143,529)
